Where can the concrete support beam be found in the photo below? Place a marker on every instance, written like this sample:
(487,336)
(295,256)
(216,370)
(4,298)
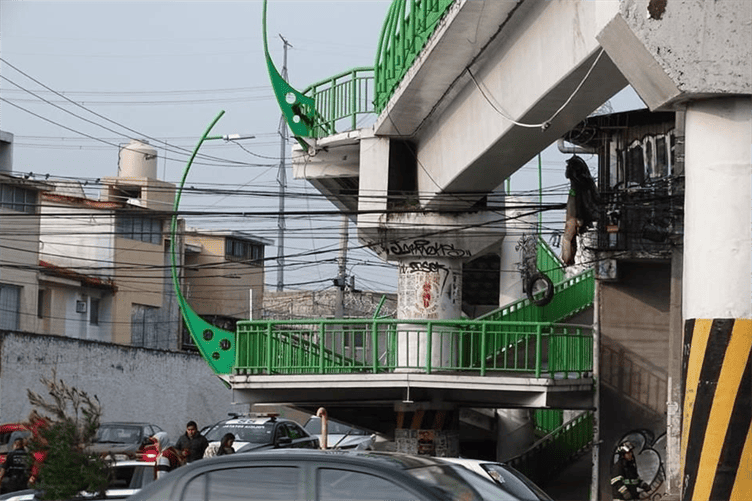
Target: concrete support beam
(716,442)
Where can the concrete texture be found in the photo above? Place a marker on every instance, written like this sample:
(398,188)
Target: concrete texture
(132,384)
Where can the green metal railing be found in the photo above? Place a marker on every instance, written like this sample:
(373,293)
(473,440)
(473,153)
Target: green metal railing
(547,420)
(570,297)
(407,28)
(385,345)
(555,451)
(341,100)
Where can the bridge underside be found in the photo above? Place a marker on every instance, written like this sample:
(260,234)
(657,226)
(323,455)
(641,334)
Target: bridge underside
(394,389)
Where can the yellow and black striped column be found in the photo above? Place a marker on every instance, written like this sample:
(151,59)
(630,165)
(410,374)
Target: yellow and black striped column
(716,447)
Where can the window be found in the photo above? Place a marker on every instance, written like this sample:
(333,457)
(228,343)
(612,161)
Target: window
(273,483)
(243,250)
(94,311)
(10,303)
(41,296)
(18,199)
(141,228)
(345,485)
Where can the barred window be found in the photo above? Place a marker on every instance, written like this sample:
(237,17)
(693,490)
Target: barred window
(141,228)
(242,250)
(18,199)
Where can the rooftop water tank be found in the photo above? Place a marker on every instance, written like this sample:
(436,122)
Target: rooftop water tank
(137,159)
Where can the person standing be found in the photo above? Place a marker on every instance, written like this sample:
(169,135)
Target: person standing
(225,446)
(168,458)
(192,444)
(14,472)
(624,477)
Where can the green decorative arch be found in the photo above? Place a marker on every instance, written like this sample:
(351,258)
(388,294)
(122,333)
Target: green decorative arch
(216,345)
(299,110)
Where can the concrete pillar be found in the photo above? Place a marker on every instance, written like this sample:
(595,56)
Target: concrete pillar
(516,433)
(428,288)
(716,440)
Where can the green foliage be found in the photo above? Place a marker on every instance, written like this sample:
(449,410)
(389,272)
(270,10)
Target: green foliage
(62,436)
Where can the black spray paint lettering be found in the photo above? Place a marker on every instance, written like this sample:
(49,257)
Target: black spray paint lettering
(427,248)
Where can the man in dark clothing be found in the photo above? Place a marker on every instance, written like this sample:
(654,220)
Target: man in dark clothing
(14,473)
(192,444)
(624,477)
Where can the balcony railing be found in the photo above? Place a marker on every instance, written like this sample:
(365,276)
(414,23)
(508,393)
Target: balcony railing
(388,345)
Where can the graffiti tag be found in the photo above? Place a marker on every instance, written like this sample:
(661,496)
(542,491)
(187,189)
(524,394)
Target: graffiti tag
(427,248)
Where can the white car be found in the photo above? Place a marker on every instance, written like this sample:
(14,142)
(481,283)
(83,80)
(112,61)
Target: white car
(128,477)
(516,485)
(258,432)
(340,435)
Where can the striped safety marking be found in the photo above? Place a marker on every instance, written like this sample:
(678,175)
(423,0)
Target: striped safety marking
(716,439)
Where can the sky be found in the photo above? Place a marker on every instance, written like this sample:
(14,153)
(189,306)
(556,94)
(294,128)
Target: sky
(162,71)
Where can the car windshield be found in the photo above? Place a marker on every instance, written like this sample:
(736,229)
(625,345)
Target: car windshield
(118,434)
(244,432)
(459,483)
(313,426)
(512,481)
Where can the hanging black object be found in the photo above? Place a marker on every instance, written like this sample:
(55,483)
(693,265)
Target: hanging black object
(582,206)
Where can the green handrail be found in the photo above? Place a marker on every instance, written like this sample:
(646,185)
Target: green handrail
(318,346)
(340,100)
(556,450)
(408,26)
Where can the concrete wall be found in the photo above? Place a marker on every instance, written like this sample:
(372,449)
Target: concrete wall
(634,359)
(133,384)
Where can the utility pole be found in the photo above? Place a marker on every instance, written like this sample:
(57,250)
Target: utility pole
(339,306)
(282,181)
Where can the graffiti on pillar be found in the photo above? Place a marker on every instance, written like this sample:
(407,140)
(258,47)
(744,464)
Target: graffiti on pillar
(649,453)
(423,247)
(427,300)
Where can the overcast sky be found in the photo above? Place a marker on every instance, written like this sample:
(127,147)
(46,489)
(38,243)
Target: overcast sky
(164,70)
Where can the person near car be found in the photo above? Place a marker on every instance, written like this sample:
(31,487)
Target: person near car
(624,478)
(192,444)
(168,458)
(225,446)
(14,472)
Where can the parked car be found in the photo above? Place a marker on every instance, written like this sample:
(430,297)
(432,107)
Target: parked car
(340,435)
(261,432)
(128,477)
(516,485)
(122,440)
(316,474)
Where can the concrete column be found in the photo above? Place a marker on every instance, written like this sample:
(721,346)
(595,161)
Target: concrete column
(428,288)
(716,440)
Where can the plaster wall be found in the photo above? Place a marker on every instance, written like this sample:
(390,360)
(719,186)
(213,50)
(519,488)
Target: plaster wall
(75,237)
(21,247)
(216,286)
(133,384)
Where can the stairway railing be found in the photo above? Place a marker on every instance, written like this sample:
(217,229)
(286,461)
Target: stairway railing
(555,451)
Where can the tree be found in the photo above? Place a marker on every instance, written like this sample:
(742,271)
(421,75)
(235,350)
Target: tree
(62,430)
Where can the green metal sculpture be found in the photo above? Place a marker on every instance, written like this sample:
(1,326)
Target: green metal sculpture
(216,345)
(299,110)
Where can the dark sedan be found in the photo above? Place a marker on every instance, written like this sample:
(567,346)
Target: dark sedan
(123,440)
(291,474)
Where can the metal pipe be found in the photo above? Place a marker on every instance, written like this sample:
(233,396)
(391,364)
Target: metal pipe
(321,413)
(573,149)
